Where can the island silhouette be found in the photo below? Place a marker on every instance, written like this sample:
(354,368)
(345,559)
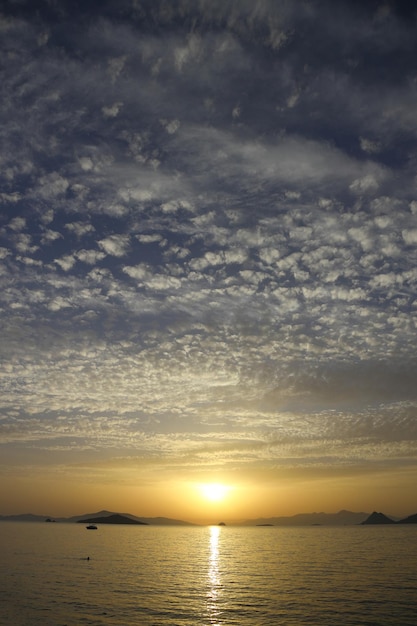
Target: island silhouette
(341,518)
(116,518)
(379,518)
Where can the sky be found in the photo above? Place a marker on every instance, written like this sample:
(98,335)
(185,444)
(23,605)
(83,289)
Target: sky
(208,257)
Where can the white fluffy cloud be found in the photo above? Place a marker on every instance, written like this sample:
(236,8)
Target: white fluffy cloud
(116,245)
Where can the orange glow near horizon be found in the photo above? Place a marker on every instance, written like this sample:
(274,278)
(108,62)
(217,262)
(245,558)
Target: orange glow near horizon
(205,499)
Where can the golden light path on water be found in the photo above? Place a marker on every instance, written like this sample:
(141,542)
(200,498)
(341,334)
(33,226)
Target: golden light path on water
(214,577)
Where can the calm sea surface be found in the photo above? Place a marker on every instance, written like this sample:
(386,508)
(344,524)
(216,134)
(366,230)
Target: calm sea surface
(213,576)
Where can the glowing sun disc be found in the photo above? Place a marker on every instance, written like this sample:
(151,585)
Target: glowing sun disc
(215,492)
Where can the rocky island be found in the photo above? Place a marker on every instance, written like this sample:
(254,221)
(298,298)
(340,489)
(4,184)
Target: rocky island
(379,518)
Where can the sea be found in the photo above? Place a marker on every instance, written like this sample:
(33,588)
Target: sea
(61,574)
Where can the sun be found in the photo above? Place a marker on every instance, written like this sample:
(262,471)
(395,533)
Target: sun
(214,492)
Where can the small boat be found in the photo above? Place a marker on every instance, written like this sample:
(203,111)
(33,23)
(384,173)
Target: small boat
(91,527)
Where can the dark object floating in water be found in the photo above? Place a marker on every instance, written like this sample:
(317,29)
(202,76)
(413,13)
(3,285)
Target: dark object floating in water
(222,524)
(91,527)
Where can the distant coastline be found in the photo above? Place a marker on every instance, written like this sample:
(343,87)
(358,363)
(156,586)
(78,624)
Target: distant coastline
(342,518)
(105,515)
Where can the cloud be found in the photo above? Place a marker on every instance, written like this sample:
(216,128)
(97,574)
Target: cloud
(116,245)
(80,228)
(10,197)
(208,243)
(410,236)
(52,185)
(364,184)
(369,146)
(113,110)
(171,126)
(17,224)
(90,256)
(49,236)
(66,262)
(115,67)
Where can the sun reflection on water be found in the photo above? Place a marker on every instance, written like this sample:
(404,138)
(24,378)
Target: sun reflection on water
(214,581)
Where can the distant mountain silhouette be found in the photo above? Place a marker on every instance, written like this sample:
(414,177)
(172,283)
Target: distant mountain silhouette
(157,521)
(89,516)
(111,519)
(165,521)
(411,519)
(342,518)
(24,517)
(378,518)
